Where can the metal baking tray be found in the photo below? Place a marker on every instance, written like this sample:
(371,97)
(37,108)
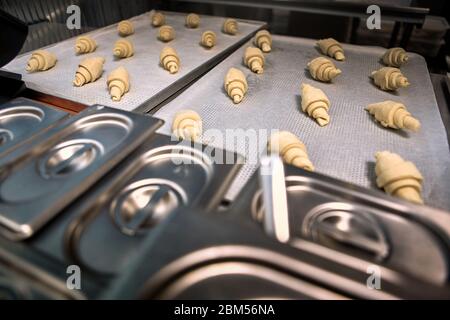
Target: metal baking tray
(408,238)
(150,83)
(345,148)
(21,119)
(219,252)
(42,177)
(130,203)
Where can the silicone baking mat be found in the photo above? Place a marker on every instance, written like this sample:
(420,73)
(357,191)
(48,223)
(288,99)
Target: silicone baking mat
(150,83)
(345,148)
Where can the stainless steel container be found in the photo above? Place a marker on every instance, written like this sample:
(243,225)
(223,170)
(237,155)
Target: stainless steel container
(22,119)
(41,178)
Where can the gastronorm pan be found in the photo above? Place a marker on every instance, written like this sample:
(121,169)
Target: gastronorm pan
(38,179)
(22,119)
(160,177)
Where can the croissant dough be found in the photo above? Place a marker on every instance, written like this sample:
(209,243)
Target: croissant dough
(315,103)
(125,28)
(393,115)
(389,79)
(398,177)
(158,19)
(235,84)
(208,39)
(291,149)
(169,59)
(187,124)
(85,44)
(331,48)
(395,57)
(89,70)
(254,59)
(230,26)
(323,69)
(192,20)
(166,33)
(263,40)
(118,83)
(123,49)
(41,60)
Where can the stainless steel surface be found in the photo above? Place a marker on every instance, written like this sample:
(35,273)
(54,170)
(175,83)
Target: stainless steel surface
(345,148)
(42,177)
(345,224)
(223,270)
(276,217)
(20,280)
(242,280)
(159,178)
(150,83)
(21,119)
(408,238)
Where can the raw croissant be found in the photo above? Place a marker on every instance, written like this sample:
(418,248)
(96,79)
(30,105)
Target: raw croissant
(208,39)
(393,115)
(85,44)
(398,177)
(192,20)
(323,69)
(166,33)
(254,59)
(187,124)
(389,79)
(230,26)
(395,57)
(123,49)
(263,40)
(125,28)
(316,104)
(291,149)
(169,60)
(158,19)
(41,60)
(331,48)
(89,70)
(118,83)
(236,84)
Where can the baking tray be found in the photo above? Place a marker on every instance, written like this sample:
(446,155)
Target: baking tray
(21,119)
(345,148)
(40,178)
(396,234)
(150,83)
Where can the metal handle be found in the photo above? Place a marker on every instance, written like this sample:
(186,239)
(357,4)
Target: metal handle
(276,216)
(65,163)
(147,211)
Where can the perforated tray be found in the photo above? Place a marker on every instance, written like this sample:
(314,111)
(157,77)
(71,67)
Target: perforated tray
(150,83)
(345,148)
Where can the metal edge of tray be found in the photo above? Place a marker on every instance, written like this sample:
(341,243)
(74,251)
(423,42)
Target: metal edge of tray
(51,137)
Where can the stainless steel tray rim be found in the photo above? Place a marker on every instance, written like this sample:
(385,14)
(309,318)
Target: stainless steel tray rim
(22,111)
